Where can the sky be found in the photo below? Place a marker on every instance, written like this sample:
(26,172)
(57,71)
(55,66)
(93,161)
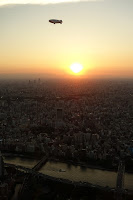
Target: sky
(98,34)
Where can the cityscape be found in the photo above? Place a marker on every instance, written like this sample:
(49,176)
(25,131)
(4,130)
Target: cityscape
(77,122)
(66,99)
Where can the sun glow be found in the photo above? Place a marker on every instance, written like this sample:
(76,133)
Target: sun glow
(76,68)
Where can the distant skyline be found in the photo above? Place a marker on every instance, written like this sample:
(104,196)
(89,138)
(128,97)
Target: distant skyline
(98,34)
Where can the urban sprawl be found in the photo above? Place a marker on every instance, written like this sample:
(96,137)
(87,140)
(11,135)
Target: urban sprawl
(71,120)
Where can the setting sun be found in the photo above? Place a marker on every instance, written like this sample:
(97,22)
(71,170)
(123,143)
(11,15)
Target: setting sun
(76,67)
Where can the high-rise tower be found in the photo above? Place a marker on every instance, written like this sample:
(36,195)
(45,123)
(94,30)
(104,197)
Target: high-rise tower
(59,113)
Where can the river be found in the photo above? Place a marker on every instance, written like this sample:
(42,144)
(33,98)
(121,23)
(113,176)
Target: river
(75,173)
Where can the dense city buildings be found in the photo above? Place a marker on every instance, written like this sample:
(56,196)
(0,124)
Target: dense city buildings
(78,121)
(7,180)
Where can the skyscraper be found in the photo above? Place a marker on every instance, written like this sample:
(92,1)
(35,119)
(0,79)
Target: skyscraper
(59,114)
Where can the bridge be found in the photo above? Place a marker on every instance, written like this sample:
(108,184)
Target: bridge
(36,173)
(31,172)
(40,163)
(119,192)
(120,181)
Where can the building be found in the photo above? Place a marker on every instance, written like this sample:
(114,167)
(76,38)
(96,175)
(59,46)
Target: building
(59,114)
(1,166)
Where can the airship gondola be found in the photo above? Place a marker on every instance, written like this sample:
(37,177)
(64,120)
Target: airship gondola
(55,21)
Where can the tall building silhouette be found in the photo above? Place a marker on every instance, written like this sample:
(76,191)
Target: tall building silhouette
(1,166)
(59,114)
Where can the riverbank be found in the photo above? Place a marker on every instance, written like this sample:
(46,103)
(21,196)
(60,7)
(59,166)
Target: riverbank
(56,188)
(91,166)
(81,164)
(73,171)
(33,156)
(28,156)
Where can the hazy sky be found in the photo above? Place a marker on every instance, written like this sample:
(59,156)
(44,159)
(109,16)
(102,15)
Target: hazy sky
(96,33)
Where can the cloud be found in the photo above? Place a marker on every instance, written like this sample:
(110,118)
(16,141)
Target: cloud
(40,2)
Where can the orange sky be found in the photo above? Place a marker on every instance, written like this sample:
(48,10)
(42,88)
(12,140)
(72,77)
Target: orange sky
(97,35)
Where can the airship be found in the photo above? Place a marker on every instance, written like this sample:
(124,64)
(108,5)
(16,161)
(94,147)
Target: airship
(55,21)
